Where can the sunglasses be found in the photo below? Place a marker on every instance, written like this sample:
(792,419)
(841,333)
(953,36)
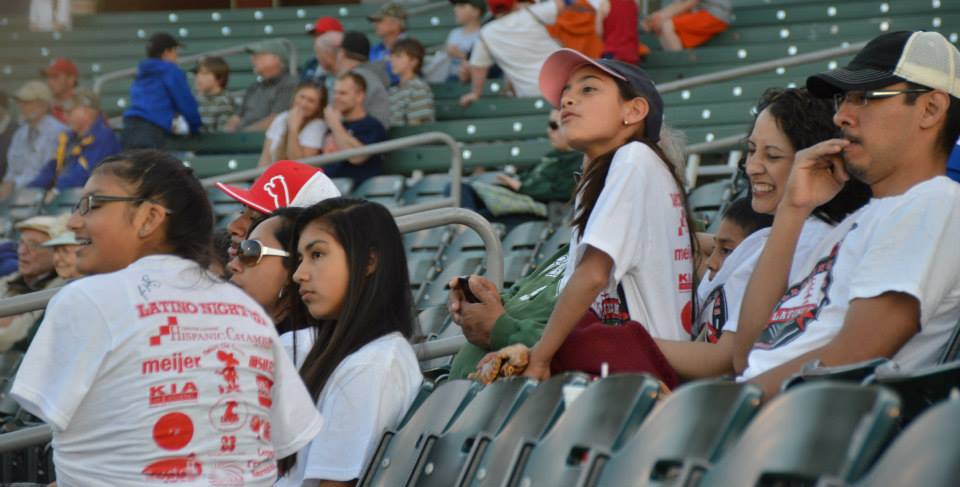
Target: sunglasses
(251,252)
(553,125)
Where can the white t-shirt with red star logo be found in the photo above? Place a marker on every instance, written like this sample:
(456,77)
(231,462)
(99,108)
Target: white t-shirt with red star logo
(159,374)
(906,244)
(639,222)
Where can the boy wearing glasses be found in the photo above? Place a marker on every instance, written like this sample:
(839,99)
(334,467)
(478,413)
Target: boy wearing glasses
(886,281)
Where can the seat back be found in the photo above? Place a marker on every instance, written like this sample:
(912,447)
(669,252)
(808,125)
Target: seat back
(603,416)
(813,371)
(920,389)
(492,458)
(398,451)
(695,422)
(924,454)
(446,454)
(952,352)
(816,429)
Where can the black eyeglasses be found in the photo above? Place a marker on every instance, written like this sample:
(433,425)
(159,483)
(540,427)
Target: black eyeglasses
(860,98)
(90,202)
(251,252)
(553,125)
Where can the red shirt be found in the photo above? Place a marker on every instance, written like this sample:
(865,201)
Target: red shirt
(620,31)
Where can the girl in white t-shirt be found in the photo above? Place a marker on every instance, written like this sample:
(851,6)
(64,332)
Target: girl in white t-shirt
(362,372)
(298,132)
(152,370)
(631,250)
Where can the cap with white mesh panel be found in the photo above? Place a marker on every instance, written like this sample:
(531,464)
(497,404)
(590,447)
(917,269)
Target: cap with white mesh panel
(924,58)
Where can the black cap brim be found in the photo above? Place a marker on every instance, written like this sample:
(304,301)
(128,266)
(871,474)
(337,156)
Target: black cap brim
(841,80)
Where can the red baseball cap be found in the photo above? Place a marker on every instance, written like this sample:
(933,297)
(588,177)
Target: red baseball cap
(285,183)
(60,65)
(324,25)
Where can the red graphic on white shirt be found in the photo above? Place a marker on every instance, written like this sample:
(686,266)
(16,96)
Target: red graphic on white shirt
(264,388)
(156,340)
(173,392)
(176,469)
(260,363)
(228,415)
(174,363)
(261,426)
(226,475)
(229,372)
(228,443)
(262,468)
(685,282)
(173,431)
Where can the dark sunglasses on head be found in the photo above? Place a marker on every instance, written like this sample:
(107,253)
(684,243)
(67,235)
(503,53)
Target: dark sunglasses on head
(251,252)
(553,125)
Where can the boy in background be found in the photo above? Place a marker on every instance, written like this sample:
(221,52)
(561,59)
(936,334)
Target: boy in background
(411,101)
(216,106)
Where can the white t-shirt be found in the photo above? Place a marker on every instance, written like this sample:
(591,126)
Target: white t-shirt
(311,135)
(727,294)
(159,373)
(519,44)
(299,340)
(639,222)
(905,243)
(369,392)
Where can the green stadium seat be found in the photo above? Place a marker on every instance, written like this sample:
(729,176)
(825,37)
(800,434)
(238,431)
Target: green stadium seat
(429,187)
(491,107)
(445,454)
(919,389)
(24,203)
(434,292)
(217,165)
(559,238)
(437,158)
(603,416)
(344,185)
(63,202)
(925,454)
(420,268)
(855,373)
(381,187)
(819,429)
(433,320)
(429,242)
(698,421)
(516,265)
(491,454)
(399,449)
(219,143)
(482,130)
(525,236)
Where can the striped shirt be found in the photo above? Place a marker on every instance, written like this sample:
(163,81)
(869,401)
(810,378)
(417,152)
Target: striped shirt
(411,103)
(215,110)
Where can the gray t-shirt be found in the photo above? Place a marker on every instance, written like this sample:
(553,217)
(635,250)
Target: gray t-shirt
(266,97)
(377,102)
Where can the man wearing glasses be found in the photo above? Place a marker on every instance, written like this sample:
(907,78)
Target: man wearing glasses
(886,281)
(34,273)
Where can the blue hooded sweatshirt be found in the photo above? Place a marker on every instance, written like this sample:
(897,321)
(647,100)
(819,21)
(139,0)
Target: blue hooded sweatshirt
(159,92)
(953,164)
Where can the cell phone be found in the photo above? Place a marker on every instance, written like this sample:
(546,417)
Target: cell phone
(463,282)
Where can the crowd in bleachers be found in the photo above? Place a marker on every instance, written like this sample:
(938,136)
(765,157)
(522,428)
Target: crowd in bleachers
(285,358)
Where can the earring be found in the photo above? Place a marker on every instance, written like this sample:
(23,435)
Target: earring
(280,295)
(625,123)
(141,233)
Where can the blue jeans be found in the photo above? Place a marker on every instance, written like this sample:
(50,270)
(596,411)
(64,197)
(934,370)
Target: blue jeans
(141,134)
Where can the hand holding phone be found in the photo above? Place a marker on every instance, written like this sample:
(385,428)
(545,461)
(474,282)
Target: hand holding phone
(463,282)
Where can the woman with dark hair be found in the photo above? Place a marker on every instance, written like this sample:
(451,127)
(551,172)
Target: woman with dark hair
(630,263)
(263,268)
(361,371)
(298,132)
(153,370)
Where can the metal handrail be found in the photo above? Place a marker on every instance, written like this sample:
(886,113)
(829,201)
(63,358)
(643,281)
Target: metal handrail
(456,167)
(131,72)
(760,67)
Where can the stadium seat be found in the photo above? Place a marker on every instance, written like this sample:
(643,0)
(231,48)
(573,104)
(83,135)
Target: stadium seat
(344,185)
(63,202)
(482,129)
(698,421)
(445,455)
(952,350)
(433,320)
(919,389)
(429,242)
(420,268)
(9,363)
(431,186)
(380,187)
(219,143)
(216,165)
(24,203)
(434,292)
(814,430)
(813,371)
(525,236)
(516,265)
(399,449)
(492,456)
(925,454)
(559,238)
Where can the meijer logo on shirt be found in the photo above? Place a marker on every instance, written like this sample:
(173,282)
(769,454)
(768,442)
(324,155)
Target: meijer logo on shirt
(174,363)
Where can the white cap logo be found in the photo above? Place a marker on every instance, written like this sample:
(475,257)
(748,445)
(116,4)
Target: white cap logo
(275,183)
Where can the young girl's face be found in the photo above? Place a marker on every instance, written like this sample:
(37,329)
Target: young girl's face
(262,281)
(323,274)
(205,81)
(309,101)
(769,159)
(592,114)
(728,237)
